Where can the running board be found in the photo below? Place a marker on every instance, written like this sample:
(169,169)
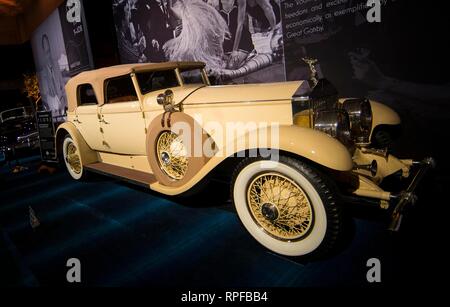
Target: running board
(122,173)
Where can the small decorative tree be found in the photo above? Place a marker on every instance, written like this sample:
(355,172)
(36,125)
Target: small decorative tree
(31,88)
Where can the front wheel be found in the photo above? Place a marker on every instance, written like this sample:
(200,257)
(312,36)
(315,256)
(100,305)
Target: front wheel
(286,205)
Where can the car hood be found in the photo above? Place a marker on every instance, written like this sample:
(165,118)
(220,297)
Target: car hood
(241,93)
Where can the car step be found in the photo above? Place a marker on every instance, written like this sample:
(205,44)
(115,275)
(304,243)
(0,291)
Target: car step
(130,175)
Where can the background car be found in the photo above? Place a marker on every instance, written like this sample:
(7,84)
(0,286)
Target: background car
(18,132)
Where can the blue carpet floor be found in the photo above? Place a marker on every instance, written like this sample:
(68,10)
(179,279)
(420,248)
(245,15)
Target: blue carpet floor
(128,236)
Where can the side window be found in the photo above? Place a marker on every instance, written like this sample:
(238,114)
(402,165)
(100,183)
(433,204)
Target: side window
(120,89)
(156,80)
(86,95)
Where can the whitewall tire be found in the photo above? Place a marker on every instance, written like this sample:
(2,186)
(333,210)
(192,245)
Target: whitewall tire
(72,158)
(286,206)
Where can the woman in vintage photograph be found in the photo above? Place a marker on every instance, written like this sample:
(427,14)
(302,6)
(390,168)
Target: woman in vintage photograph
(197,42)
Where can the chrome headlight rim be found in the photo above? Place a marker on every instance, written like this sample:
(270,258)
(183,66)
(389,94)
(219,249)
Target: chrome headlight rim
(360,115)
(335,123)
(366,115)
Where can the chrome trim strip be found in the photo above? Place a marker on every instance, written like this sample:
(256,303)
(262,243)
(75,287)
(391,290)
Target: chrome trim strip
(247,101)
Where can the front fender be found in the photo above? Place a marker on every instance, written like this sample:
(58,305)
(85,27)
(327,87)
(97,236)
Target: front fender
(305,142)
(87,155)
(383,115)
(316,146)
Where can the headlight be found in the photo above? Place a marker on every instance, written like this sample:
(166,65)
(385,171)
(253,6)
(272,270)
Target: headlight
(360,115)
(335,123)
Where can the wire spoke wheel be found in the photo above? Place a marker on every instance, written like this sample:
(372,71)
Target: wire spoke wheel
(280,207)
(73,159)
(172,155)
(286,205)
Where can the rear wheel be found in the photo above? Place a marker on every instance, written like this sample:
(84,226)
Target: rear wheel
(72,159)
(286,205)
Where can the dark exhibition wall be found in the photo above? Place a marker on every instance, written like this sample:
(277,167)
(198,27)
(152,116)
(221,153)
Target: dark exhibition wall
(21,17)
(129,236)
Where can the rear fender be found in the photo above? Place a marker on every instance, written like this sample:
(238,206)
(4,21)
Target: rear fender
(87,155)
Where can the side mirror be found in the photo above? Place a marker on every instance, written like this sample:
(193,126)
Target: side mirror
(165,98)
(169,96)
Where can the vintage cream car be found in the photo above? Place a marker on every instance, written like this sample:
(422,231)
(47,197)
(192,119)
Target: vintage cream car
(293,151)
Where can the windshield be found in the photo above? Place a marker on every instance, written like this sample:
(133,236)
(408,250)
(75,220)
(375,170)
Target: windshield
(150,81)
(14,114)
(193,76)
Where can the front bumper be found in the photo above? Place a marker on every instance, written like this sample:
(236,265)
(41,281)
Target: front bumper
(408,197)
(366,189)
(28,141)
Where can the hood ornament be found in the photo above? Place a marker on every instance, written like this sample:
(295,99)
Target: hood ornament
(311,62)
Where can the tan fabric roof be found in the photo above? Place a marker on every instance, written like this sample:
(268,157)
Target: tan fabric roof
(97,77)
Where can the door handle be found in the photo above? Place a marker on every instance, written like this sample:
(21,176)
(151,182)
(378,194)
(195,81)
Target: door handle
(76,120)
(101,119)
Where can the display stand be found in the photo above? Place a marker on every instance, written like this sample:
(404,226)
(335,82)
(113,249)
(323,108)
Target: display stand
(46,129)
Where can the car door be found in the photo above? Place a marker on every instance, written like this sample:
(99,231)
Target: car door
(87,116)
(121,118)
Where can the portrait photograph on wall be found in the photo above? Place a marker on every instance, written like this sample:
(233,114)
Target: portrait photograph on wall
(51,64)
(61,50)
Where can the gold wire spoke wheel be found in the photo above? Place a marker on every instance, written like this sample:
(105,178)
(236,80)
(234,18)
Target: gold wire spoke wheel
(172,155)
(280,207)
(73,159)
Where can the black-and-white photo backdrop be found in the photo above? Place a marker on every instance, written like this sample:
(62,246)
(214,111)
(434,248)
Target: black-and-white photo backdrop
(61,50)
(240,41)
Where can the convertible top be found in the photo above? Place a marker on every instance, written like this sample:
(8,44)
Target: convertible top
(97,77)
